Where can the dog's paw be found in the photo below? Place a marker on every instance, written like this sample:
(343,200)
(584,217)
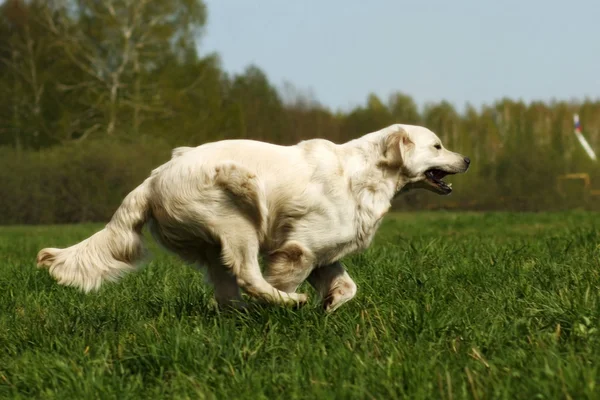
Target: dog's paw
(331,303)
(300,299)
(339,296)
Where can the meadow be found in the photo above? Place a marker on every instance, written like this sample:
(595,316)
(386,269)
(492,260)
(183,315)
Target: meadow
(450,306)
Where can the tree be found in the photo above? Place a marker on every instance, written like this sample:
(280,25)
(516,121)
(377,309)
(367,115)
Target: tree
(403,109)
(116,43)
(193,96)
(305,117)
(254,107)
(370,118)
(443,119)
(23,51)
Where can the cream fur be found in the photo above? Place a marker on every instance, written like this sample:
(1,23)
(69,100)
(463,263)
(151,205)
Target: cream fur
(221,204)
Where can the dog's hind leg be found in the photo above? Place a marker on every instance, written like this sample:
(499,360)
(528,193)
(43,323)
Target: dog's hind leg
(240,227)
(242,257)
(227,290)
(333,284)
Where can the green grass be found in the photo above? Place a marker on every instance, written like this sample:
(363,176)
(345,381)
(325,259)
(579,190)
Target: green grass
(449,305)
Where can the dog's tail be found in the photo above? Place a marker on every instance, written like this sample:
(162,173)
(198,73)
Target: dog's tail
(109,253)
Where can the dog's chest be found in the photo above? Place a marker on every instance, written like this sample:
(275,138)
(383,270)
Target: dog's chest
(354,235)
(365,231)
(366,223)
(344,217)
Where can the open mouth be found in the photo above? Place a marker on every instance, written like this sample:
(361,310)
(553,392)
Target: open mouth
(434,178)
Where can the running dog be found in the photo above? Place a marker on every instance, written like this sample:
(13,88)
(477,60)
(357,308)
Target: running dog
(303,207)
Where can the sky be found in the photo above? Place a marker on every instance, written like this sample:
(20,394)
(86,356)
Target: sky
(463,51)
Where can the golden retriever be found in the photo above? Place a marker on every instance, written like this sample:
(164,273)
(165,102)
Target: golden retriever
(303,207)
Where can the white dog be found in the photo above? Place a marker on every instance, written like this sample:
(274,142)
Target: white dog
(303,207)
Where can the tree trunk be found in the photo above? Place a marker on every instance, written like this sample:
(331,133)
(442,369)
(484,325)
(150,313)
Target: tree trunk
(137,94)
(112,116)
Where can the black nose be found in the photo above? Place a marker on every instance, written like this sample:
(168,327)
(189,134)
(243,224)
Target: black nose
(467,160)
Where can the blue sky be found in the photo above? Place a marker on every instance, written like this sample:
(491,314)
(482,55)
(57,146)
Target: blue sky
(463,51)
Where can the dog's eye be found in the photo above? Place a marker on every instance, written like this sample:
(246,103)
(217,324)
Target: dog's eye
(438,146)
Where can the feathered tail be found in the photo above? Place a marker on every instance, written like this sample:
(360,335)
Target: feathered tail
(106,255)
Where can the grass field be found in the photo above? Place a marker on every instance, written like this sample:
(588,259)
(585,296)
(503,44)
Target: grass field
(449,306)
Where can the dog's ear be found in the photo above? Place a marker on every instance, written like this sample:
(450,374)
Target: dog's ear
(396,145)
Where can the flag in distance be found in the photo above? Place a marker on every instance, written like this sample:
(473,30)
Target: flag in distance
(586,146)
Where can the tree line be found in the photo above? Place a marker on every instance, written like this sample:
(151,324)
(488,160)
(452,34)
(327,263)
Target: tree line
(95,93)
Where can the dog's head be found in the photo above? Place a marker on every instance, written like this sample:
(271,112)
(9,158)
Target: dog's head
(422,158)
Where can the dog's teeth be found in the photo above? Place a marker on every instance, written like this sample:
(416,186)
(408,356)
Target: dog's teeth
(449,185)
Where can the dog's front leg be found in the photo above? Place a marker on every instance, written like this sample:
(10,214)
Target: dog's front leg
(289,266)
(333,284)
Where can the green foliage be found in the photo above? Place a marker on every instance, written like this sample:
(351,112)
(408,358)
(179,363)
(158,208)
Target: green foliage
(79,75)
(74,182)
(449,305)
